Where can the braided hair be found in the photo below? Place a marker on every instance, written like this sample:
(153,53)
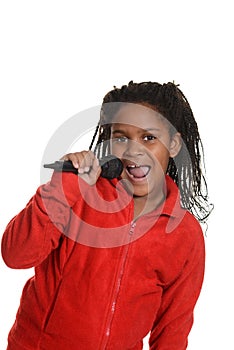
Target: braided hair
(186,168)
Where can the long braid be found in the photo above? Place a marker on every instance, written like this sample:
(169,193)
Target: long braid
(186,168)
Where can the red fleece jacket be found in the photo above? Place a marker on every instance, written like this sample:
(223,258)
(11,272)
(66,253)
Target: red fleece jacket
(103,280)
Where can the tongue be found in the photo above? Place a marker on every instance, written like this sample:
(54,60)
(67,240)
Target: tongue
(138,171)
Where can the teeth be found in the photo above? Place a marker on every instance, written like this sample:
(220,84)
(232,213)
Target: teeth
(138,171)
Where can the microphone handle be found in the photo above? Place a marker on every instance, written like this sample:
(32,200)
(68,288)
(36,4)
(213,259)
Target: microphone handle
(62,166)
(111,167)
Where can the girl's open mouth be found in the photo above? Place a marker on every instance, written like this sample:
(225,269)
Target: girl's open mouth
(137,172)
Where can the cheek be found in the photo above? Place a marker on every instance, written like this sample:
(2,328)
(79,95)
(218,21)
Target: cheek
(117,150)
(161,157)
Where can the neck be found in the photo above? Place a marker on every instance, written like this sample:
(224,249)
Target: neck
(144,205)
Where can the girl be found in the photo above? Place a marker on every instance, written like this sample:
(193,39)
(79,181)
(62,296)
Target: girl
(116,259)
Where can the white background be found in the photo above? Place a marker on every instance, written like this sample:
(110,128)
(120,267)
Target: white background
(60,57)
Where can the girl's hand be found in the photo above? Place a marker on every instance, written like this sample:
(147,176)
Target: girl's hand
(87,165)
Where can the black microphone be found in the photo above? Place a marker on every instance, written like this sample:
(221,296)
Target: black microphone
(111,166)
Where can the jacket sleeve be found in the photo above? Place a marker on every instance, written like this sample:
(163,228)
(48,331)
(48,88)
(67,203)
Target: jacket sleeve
(175,316)
(32,234)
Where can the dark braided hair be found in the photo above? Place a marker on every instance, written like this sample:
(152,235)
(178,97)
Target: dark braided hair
(186,168)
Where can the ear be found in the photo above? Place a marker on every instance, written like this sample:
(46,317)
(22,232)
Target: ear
(175,145)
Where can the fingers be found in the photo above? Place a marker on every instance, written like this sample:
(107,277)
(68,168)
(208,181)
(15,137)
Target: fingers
(82,161)
(86,163)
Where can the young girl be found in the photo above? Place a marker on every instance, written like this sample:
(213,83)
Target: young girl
(117,258)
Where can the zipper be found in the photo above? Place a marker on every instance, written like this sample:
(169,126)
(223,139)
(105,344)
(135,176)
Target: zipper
(117,287)
(132,228)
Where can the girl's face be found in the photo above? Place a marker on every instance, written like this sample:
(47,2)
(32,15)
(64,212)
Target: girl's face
(140,138)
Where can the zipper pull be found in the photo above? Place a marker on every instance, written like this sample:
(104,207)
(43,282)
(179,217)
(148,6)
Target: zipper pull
(132,228)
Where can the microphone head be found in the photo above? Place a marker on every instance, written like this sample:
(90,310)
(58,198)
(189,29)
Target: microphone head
(112,167)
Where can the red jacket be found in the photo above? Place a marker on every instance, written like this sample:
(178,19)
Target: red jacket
(102,280)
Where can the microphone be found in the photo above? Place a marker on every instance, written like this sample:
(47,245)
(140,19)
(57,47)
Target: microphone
(111,167)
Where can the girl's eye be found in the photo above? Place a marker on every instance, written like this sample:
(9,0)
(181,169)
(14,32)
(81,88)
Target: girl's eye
(120,139)
(149,138)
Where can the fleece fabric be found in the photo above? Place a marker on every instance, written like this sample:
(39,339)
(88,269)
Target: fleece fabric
(103,280)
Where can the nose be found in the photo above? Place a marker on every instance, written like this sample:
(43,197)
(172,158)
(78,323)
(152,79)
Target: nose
(133,149)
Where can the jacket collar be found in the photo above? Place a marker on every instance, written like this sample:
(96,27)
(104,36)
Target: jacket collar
(171,206)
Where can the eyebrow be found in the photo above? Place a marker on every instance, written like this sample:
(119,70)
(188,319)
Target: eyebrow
(119,131)
(152,129)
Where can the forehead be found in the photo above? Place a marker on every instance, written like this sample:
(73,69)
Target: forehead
(139,116)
